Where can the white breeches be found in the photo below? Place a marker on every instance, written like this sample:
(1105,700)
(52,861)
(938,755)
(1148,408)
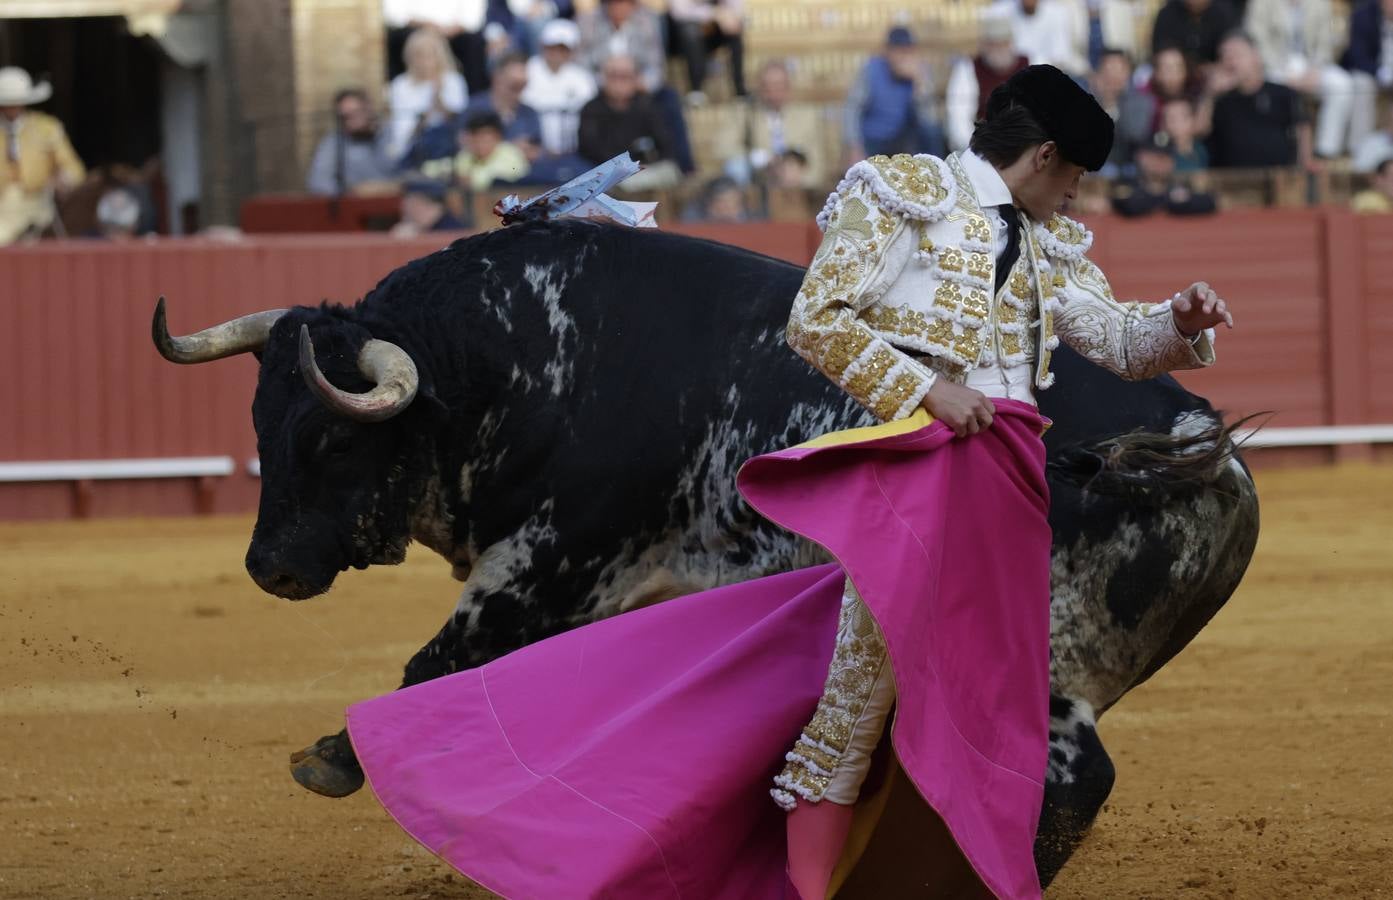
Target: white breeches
(1348,105)
(832,756)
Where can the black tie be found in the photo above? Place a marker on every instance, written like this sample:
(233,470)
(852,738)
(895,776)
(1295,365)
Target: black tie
(1007,260)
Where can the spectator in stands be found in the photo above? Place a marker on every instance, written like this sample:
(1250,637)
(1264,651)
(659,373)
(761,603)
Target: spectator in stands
(486,156)
(423,210)
(1112,24)
(1053,32)
(1195,27)
(703,26)
(1257,124)
(353,158)
(460,23)
(1296,39)
(624,28)
(118,215)
(1156,187)
(790,171)
(558,86)
(521,123)
(624,118)
(972,81)
(759,134)
(38,163)
(722,200)
(1379,197)
(428,93)
(1180,125)
(1129,108)
(1370,49)
(891,106)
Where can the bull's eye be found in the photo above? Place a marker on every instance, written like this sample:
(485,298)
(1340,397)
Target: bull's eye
(334,444)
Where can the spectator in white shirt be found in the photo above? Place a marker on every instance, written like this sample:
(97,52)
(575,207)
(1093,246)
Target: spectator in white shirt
(461,22)
(558,86)
(1051,32)
(972,81)
(427,93)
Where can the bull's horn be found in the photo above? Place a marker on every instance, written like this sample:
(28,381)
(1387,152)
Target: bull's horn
(246,334)
(386,365)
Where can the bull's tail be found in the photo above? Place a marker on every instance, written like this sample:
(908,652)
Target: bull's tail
(1147,465)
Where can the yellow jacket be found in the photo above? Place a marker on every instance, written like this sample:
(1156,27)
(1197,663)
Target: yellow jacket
(44,154)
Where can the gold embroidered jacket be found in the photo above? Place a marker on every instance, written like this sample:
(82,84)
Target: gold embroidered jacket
(900,293)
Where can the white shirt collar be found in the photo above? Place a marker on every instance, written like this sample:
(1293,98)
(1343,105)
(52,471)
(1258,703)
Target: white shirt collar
(986,181)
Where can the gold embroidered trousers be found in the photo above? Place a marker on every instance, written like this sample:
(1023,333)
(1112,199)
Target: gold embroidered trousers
(833,754)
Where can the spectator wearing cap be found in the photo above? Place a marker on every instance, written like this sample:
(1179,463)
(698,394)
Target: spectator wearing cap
(1379,197)
(703,26)
(1157,187)
(891,106)
(353,158)
(37,162)
(624,118)
(1050,32)
(118,215)
(519,23)
(1296,39)
(972,81)
(766,130)
(423,210)
(1195,27)
(486,157)
(428,93)
(558,86)
(1256,124)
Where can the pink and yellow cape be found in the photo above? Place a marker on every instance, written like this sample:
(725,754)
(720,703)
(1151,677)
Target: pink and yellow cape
(632,758)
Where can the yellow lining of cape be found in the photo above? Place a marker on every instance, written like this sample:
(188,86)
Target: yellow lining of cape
(920,418)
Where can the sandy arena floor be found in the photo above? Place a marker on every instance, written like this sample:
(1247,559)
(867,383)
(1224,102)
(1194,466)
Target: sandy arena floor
(149,696)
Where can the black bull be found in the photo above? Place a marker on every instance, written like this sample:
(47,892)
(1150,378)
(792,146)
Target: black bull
(559,410)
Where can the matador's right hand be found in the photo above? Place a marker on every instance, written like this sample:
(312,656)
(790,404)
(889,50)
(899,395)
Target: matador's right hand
(962,409)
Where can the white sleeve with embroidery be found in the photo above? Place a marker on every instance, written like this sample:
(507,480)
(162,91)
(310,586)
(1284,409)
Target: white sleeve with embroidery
(1134,340)
(864,250)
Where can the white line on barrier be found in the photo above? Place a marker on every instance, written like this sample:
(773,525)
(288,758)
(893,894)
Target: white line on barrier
(109,469)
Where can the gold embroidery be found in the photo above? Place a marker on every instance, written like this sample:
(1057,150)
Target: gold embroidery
(840,349)
(853,218)
(1020,284)
(951,260)
(870,374)
(856,663)
(896,396)
(915,181)
(979,265)
(978,230)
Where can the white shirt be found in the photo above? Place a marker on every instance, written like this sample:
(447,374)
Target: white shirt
(1057,34)
(467,15)
(1015,382)
(410,100)
(557,97)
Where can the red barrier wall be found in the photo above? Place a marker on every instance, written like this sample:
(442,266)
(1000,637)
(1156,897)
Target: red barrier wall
(1313,292)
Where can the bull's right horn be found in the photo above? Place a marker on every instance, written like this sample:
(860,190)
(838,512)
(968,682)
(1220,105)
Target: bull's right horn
(245,334)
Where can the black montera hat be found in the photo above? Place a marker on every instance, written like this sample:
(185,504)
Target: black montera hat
(1068,113)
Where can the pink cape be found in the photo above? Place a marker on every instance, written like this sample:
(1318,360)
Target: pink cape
(632,758)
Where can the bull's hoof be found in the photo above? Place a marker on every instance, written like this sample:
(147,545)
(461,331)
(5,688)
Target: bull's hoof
(329,768)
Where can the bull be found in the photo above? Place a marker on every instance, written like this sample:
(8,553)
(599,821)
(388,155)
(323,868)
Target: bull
(559,410)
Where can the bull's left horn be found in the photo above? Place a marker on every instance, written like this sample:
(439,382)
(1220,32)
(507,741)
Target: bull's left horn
(244,334)
(388,366)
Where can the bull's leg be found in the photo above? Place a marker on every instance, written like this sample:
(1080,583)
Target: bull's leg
(495,622)
(1078,781)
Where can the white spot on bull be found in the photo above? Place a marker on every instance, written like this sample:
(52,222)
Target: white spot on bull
(500,565)
(548,286)
(1064,744)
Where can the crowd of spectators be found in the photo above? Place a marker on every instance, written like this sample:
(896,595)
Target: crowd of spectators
(534,92)
(484,95)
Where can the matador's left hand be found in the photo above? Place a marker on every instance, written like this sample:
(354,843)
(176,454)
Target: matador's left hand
(1197,308)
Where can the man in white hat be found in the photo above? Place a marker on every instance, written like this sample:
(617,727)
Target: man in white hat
(558,86)
(37,160)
